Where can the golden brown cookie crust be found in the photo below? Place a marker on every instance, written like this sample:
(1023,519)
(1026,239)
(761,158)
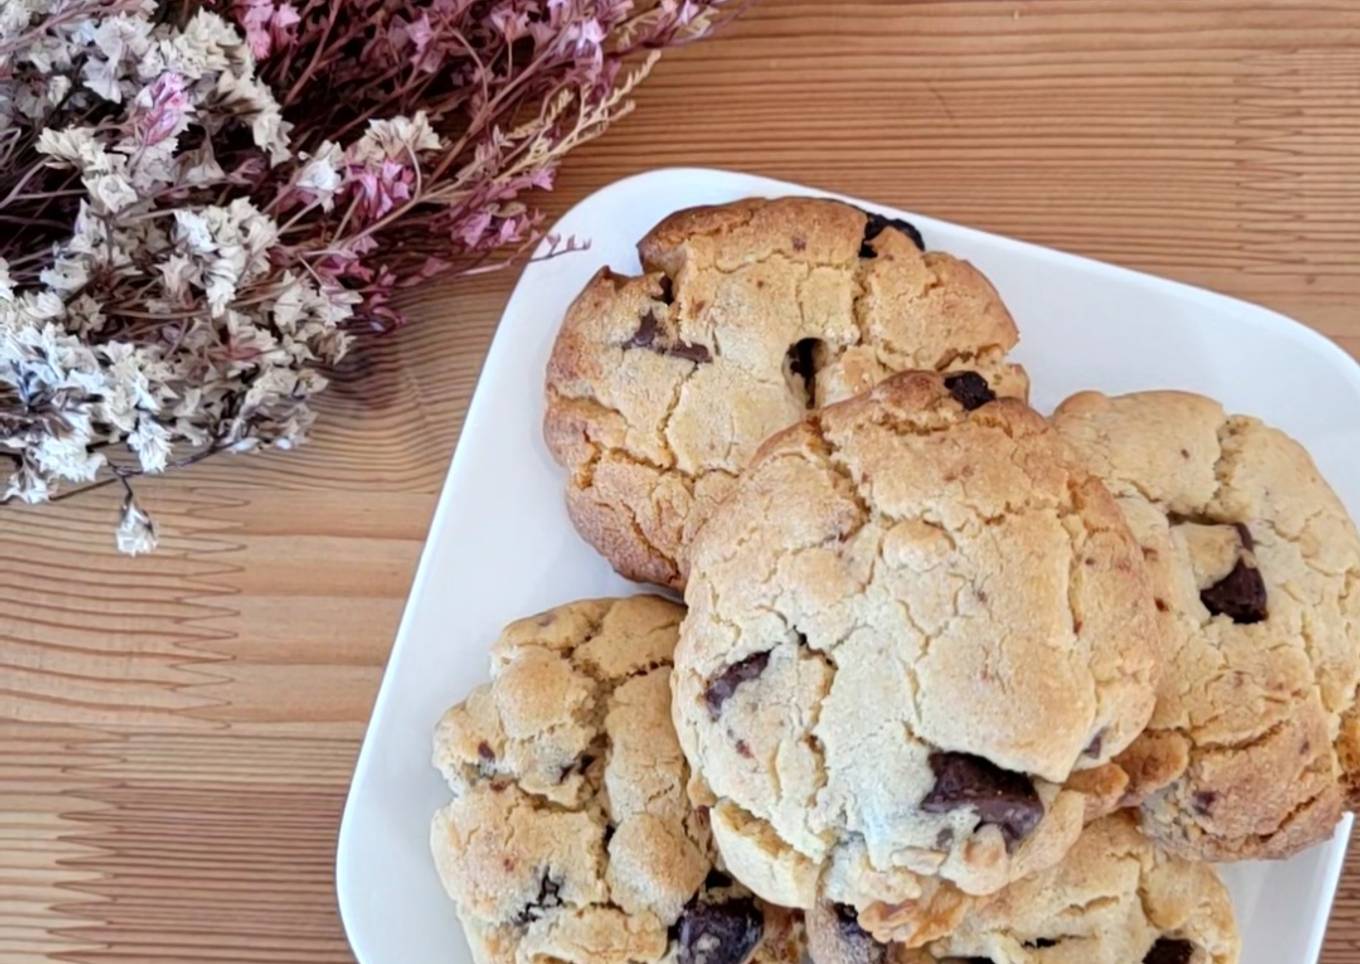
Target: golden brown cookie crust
(570,837)
(660,387)
(1113,898)
(1252,749)
(879,566)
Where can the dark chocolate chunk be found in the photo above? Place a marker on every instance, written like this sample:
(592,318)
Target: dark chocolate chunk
(1000,797)
(803,358)
(726,683)
(1240,595)
(695,353)
(548,897)
(485,752)
(646,337)
(1096,745)
(667,291)
(969,389)
(1204,801)
(716,878)
(648,327)
(580,765)
(876,225)
(1169,950)
(719,933)
(847,918)
(857,944)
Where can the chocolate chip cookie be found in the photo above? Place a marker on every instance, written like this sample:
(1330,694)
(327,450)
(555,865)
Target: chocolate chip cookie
(1254,747)
(660,387)
(1114,899)
(570,837)
(912,622)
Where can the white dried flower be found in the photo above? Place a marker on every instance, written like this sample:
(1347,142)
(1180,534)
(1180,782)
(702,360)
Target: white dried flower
(76,146)
(136,532)
(395,139)
(151,442)
(207,44)
(247,98)
(320,178)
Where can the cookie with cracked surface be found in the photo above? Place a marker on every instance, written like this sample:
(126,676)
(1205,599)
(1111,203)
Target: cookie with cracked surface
(912,622)
(1254,746)
(660,387)
(570,837)
(1114,899)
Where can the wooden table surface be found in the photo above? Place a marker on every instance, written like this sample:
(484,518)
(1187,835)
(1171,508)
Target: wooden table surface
(178,730)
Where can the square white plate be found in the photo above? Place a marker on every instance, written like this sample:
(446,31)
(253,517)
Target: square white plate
(501,546)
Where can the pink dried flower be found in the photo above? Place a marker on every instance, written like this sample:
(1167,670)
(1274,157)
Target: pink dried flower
(378,188)
(269,26)
(162,109)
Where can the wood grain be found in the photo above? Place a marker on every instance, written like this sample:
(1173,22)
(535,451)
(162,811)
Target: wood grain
(177,731)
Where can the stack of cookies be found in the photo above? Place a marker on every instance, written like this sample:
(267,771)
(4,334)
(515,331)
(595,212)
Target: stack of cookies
(952,682)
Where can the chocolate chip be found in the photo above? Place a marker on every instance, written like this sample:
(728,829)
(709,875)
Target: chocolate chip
(803,360)
(1240,595)
(847,918)
(944,838)
(667,291)
(648,326)
(548,898)
(716,879)
(695,353)
(876,225)
(719,933)
(1001,797)
(744,749)
(847,922)
(1096,745)
(1204,802)
(485,752)
(580,765)
(1168,950)
(726,683)
(969,389)
(646,337)
(857,945)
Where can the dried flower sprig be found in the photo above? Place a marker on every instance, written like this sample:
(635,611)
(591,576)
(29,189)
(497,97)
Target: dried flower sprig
(200,205)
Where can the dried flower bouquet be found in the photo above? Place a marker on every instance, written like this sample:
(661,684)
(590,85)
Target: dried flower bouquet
(203,204)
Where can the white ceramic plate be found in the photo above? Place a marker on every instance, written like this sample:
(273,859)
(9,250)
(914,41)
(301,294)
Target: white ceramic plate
(501,546)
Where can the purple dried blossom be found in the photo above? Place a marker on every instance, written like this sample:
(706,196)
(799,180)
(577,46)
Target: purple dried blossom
(161,109)
(268,26)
